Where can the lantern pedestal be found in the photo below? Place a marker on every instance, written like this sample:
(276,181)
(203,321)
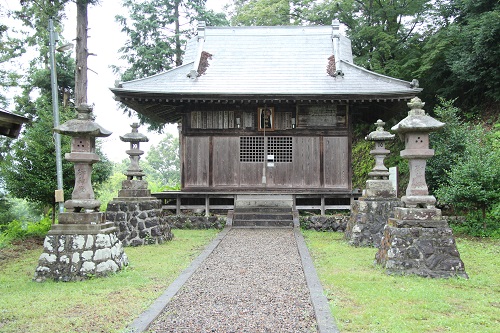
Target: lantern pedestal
(77,251)
(418,241)
(368,218)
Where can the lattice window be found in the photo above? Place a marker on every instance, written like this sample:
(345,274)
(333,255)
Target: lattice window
(252,149)
(281,148)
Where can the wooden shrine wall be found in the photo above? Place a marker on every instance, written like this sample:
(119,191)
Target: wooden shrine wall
(226,150)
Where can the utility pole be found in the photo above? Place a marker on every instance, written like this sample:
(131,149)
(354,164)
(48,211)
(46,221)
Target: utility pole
(59,195)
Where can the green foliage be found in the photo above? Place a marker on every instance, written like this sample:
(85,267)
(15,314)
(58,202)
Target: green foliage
(109,189)
(362,162)
(384,39)
(449,143)
(262,13)
(19,230)
(460,58)
(17,209)
(473,186)
(163,163)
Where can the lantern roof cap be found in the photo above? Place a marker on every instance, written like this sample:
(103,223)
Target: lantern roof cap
(417,120)
(379,134)
(83,125)
(134,136)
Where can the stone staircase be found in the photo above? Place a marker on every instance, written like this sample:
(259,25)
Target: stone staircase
(263,210)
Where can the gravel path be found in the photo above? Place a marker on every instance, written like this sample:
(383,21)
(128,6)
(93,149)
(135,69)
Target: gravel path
(252,282)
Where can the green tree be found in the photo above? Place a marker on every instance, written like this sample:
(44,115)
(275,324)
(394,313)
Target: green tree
(163,162)
(385,34)
(473,186)
(262,12)
(156,36)
(450,144)
(460,59)
(29,171)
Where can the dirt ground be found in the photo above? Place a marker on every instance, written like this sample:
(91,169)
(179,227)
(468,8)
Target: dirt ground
(17,248)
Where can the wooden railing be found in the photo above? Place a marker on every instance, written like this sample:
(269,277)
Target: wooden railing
(179,202)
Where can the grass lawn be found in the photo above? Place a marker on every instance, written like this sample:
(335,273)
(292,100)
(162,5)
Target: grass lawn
(364,299)
(97,305)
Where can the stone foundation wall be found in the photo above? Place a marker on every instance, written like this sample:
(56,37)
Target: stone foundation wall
(196,222)
(139,222)
(316,222)
(324,222)
(368,219)
(78,257)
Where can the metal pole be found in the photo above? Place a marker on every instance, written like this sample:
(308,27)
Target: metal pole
(264,178)
(55,109)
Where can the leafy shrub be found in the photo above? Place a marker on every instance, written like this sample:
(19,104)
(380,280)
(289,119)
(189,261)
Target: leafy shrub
(473,188)
(362,162)
(449,143)
(19,230)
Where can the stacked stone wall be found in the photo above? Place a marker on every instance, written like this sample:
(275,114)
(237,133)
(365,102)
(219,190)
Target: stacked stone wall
(78,257)
(196,222)
(139,222)
(324,222)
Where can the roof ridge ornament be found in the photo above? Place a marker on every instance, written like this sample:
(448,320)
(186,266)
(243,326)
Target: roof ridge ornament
(336,49)
(193,73)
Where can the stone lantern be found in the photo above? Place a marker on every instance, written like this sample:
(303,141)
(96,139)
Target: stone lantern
(135,138)
(369,214)
(414,130)
(136,214)
(378,184)
(83,244)
(417,240)
(83,131)
(134,187)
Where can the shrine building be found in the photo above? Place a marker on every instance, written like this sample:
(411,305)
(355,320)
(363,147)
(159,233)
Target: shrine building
(265,110)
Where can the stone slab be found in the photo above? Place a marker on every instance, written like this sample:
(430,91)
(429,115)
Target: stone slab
(74,229)
(397,223)
(81,218)
(403,213)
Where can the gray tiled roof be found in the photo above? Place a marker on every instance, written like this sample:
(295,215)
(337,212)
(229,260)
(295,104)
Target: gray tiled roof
(279,61)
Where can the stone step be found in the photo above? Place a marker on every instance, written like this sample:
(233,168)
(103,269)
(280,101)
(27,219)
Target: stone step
(263,210)
(263,201)
(262,223)
(259,216)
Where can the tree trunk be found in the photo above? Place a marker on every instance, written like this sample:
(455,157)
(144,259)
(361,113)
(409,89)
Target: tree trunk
(81,53)
(178,51)
(484,218)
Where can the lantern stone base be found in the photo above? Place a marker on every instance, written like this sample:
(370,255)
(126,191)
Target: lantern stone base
(140,221)
(74,252)
(368,219)
(420,246)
